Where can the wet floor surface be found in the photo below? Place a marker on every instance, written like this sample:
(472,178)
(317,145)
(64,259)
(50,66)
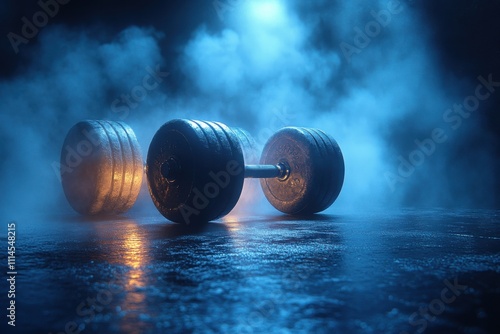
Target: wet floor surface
(398,272)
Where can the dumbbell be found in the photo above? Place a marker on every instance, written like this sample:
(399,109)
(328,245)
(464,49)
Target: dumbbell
(195,170)
(102,167)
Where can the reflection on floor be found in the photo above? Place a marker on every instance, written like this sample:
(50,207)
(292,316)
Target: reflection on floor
(407,271)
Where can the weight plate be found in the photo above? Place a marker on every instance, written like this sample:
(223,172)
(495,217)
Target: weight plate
(316,170)
(102,167)
(195,170)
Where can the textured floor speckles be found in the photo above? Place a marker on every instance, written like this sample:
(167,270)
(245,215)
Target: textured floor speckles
(381,272)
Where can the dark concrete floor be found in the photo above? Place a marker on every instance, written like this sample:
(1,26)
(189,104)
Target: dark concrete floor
(396,272)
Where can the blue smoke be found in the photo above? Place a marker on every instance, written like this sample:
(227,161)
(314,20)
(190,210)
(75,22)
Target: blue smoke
(364,72)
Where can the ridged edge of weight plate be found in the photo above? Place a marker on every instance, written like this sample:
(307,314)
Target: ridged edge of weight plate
(138,165)
(327,194)
(114,175)
(248,145)
(117,161)
(228,142)
(130,165)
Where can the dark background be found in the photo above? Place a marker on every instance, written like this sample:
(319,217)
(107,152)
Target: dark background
(463,36)
(360,271)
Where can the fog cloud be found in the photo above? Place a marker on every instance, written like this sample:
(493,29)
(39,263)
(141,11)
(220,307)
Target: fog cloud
(270,60)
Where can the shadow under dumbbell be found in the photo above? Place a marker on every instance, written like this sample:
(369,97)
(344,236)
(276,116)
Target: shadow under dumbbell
(96,219)
(289,218)
(172,230)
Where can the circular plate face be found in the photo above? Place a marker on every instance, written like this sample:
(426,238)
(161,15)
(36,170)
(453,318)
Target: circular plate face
(195,170)
(316,170)
(101,167)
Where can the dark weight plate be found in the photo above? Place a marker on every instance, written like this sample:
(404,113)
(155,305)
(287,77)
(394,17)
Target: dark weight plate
(195,170)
